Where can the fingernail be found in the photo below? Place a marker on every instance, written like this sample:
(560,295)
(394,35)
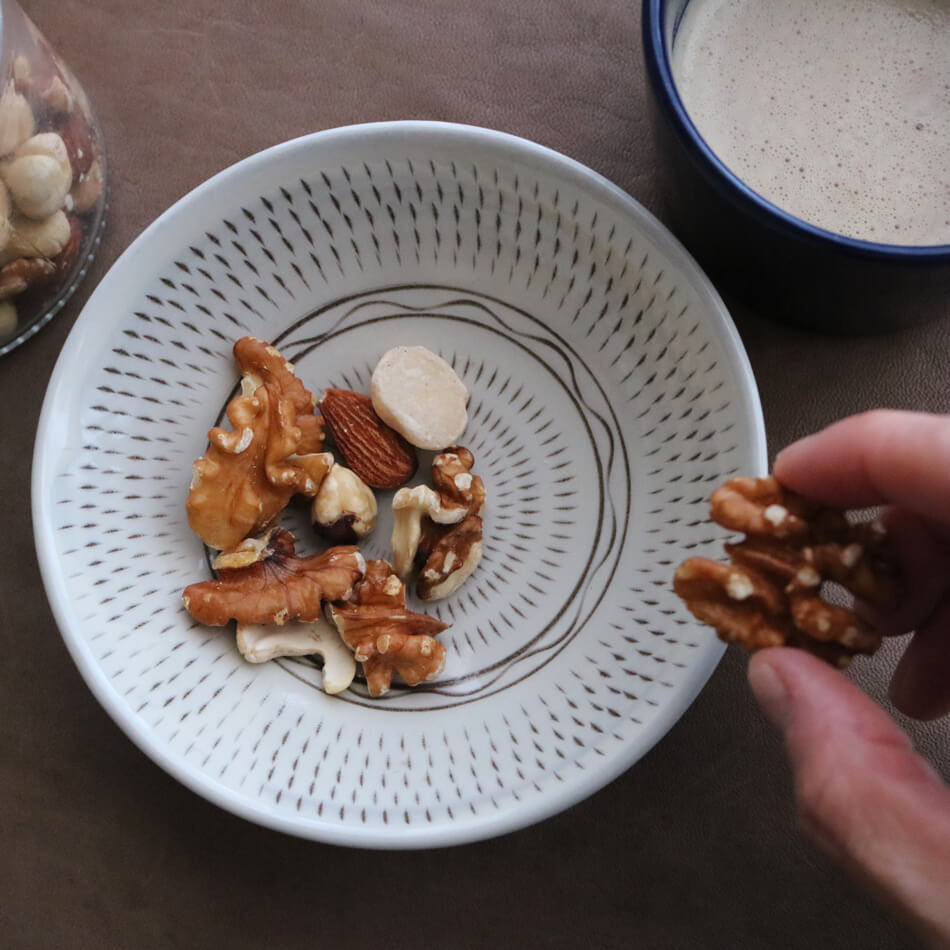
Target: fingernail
(769,690)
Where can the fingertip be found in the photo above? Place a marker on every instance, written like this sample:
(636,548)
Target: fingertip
(782,677)
(876,457)
(790,664)
(862,791)
(768,687)
(790,459)
(805,696)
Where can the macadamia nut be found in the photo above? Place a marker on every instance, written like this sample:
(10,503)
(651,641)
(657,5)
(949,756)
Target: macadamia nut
(419,395)
(47,143)
(39,181)
(31,238)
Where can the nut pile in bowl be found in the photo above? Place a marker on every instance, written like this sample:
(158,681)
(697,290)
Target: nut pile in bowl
(52,180)
(604,402)
(336,605)
(771,594)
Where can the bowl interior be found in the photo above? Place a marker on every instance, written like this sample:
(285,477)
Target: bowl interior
(609,395)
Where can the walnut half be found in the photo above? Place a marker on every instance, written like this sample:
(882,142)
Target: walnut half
(386,637)
(250,472)
(269,584)
(440,530)
(262,364)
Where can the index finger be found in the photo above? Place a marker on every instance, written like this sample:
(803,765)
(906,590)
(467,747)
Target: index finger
(878,457)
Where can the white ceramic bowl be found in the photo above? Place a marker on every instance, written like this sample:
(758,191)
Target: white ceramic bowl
(609,395)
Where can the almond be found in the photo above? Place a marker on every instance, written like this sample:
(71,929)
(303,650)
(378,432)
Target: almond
(378,455)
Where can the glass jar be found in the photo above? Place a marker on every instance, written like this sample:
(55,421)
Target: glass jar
(52,180)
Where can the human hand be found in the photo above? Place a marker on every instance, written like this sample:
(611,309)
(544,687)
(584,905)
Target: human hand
(863,793)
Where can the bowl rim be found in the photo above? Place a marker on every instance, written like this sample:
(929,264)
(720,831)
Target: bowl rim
(175,223)
(659,70)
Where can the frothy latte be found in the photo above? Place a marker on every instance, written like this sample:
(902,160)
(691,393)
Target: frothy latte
(837,111)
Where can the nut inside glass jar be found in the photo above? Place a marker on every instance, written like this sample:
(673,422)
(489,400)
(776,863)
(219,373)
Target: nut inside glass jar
(52,180)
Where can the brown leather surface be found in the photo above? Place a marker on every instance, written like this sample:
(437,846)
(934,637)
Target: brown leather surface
(697,845)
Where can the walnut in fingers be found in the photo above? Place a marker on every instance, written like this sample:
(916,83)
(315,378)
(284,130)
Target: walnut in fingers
(772,593)
(737,601)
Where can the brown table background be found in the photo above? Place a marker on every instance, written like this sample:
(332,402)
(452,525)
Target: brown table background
(697,845)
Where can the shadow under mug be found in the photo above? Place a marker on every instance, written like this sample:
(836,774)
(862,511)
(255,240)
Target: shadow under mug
(785,268)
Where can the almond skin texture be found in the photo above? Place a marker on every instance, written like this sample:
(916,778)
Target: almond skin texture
(379,456)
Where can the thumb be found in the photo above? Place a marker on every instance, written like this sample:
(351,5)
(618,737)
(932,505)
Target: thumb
(862,792)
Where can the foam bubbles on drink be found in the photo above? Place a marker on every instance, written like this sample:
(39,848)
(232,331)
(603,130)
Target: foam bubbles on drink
(837,111)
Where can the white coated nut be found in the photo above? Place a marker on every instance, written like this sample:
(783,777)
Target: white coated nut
(38,184)
(31,238)
(259,643)
(410,505)
(47,143)
(344,509)
(16,120)
(8,319)
(420,396)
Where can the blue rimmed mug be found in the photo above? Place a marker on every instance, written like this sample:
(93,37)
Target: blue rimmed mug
(783,266)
